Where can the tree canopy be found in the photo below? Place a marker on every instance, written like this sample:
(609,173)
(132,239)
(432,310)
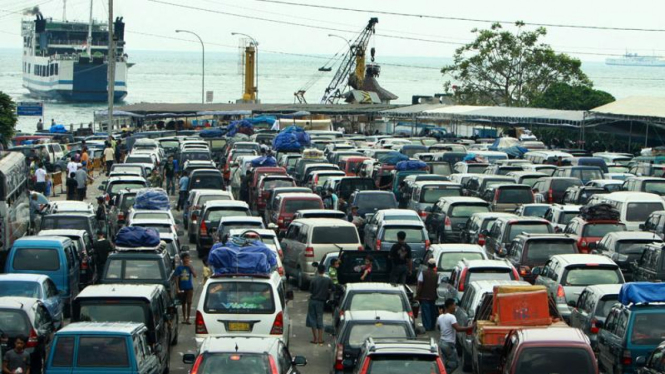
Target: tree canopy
(510,69)
(7,117)
(567,97)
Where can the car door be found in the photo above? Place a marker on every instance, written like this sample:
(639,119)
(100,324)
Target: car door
(289,247)
(639,267)
(546,278)
(73,269)
(605,361)
(579,313)
(53,302)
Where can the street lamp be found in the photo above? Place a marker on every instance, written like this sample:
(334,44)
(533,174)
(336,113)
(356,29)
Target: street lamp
(256,47)
(203,63)
(341,37)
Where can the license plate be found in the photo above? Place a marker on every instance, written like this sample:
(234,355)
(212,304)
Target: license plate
(238,326)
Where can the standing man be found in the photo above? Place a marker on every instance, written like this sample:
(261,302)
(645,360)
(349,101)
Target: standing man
(72,185)
(169,176)
(17,360)
(35,210)
(84,156)
(320,289)
(40,179)
(109,156)
(155,179)
(118,151)
(428,281)
(82,179)
(72,166)
(244,186)
(40,125)
(447,323)
(102,249)
(185,286)
(182,188)
(400,256)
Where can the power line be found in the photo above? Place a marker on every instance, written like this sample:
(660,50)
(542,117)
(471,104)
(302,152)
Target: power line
(465,19)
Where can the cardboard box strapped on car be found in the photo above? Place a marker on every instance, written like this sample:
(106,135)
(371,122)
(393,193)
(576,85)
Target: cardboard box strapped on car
(520,305)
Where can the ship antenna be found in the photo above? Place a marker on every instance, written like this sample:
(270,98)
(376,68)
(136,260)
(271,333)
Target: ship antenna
(89,40)
(64,10)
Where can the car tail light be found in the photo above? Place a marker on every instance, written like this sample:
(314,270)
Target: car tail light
(496,195)
(462,279)
(309,252)
(33,340)
(197,364)
(481,239)
(84,264)
(365,366)
(273,365)
(410,313)
(439,362)
(427,244)
(594,329)
(378,244)
(121,217)
(339,357)
(280,271)
(360,248)
(515,274)
(447,222)
(525,270)
(550,196)
(560,295)
(200,324)
(203,229)
(626,358)
(422,213)
(278,325)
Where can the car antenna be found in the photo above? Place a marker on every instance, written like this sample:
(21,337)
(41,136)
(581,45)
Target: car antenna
(236,347)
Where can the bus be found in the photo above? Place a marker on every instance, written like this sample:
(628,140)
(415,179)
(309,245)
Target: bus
(14,201)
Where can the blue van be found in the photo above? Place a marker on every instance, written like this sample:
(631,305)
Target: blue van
(633,328)
(54,256)
(102,348)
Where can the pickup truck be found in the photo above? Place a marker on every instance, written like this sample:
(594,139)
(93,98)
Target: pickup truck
(506,309)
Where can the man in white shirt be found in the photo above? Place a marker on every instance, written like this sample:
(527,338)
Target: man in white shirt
(447,323)
(72,166)
(40,179)
(109,156)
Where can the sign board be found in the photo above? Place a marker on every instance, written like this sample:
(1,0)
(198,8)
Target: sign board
(208,96)
(30,109)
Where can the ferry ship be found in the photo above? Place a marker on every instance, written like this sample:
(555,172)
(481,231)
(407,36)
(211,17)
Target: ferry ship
(633,59)
(67,61)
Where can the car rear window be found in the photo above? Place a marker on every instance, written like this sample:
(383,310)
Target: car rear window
(590,275)
(275,183)
(14,322)
(116,187)
(239,297)
(467,210)
(20,289)
(233,363)
(104,351)
(413,234)
(529,228)
(205,198)
(554,360)
(162,229)
(647,329)
(360,332)
(390,217)
(36,259)
(134,269)
(203,156)
(536,211)
(376,200)
(541,251)
(169,144)
(294,205)
(335,235)
(432,194)
(113,311)
(64,352)
(207,181)
(633,246)
(54,222)
(138,160)
(152,215)
(566,217)
(563,184)
(587,174)
(217,215)
(392,363)
(390,302)
(514,195)
(530,181)
(602,229)
(489,274)
(641,211)
(448,260)
(127,201)
(605,305)
(476,169)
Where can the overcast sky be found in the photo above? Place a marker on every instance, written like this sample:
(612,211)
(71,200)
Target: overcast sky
(145,16)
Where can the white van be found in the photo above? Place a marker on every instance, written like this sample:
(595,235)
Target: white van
(244,305)
(634,207)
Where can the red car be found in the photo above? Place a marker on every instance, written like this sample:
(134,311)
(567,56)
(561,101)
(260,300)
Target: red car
(590,232)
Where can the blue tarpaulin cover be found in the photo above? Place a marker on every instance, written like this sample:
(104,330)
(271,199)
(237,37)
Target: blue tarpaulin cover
(226,259)
(292,138)
(393,158)
(410,165)
(253,246)
(261,119)
(152,199)
(58,129)
(212,133)
(267,161)
(242,126)
(135,236)
(515,151)
(642,292)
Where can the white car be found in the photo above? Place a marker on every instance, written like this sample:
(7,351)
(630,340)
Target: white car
(269,238)
(148,214)
(70,206)
(161,225)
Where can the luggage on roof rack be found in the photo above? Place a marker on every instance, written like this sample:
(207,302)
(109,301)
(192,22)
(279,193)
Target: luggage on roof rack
(599,212)
(152,199)
(242,256)
(137,238)
(641,293)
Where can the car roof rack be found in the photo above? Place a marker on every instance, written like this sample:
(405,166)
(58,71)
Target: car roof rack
(372,341)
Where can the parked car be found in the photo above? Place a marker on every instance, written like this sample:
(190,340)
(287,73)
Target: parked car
(399,355)
(593,306)
(212,213)
(580,195)
(655,223)
(533,210)
(587,232)
(372,201)
(508,197)
(118,211)
(583,173)
(87,256)
(528,251)
(650,266)
(373,296)
(477,224)
(560,215)
(425,194)
(35,286)
(289,203)
(449,215)
(447,256)
(653,363)
(634,207)
(416,237)
(624,248)
(467,271)
(499,239)
(552,189)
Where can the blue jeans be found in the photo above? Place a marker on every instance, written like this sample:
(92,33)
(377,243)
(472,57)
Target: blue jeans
(449,355)
(428,314)
(170,185)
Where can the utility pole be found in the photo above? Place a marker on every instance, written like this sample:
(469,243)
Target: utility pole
(64,10)
(111,67)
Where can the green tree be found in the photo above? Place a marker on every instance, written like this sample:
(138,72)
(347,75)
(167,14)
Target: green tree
(566,97)
(509,69)
(7,117)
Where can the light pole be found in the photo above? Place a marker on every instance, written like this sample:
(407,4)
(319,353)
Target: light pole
(256,47)
(341,37)
(203,63)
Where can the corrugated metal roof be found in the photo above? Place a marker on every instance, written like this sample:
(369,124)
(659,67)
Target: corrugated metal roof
(634,106)
(192,109)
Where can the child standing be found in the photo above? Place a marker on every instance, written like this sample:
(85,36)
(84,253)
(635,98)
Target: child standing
(17,360)
(185,286)
(366,270)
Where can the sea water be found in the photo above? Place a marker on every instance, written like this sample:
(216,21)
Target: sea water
(175,77)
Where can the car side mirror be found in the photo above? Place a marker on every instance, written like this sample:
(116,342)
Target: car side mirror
(600,324)
(101,188)
(329,329)
(188,358)
(572,304)
(642,226)
(593,245)
(184,248)
(640,361)
(537,270)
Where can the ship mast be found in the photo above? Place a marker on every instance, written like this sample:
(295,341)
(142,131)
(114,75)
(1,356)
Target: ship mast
(64,10)
(89,41)
(111,68)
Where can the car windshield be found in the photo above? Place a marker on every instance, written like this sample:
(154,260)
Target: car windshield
(448,260)
(613,187)
(413,234)
(566,217)
(389,302)
(554,360)
(529,228)
(202,156)
(207,181)
(432,194)
(169,144)
(561,185)
(515,196)
(335,235)
(370,201)
(602,229)
(275,183)
(102,352)
(360,332)
(128,169)
(389,217)
(536,211)
(239,297)
(467,210)
(641,211)
(162,229)
(112,311)
(217,215)
(605,305)
(20,289)
(233,363)
(540,251)
(134,269)
(586,174)
(138,160)
(530,181)
(14,322)
(634,246)
(489,274)
(294,205)
(397,364)
(648,329)
(590,275)
(152,215)
(476,169)
(36,259)
(440,168)
(618,169)
(116,187)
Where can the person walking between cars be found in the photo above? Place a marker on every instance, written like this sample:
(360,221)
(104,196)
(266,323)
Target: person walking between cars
(185,286)
(82,179)
(428,281)
(182,189)
(155,179)
(244,186)
(169,176)
(71,186)
(320,289)
(447,323)
(109,156)
(400,256)
(40,179)
(17,360)
(35,210)
(102,248)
